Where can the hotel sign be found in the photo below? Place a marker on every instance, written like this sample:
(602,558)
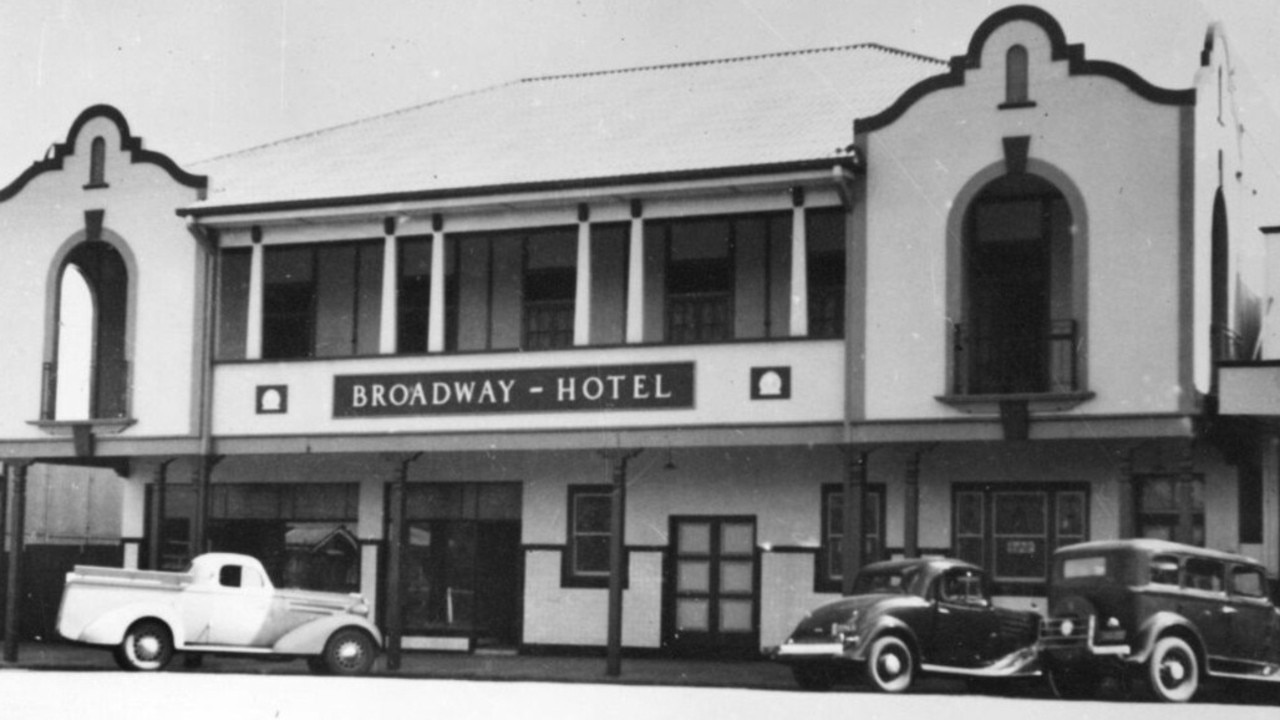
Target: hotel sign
(602,387)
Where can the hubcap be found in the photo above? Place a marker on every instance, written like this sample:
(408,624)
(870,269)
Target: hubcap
(1174,671)
(891,664)
(147,647)
(348,653)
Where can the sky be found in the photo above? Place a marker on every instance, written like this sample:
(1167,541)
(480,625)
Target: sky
(196,79)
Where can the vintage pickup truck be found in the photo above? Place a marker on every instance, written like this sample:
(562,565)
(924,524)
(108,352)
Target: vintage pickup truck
(222,603)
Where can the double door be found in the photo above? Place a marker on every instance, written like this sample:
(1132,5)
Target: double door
(712,587)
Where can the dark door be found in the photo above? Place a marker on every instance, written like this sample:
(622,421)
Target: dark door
(1204,602)
(463,579)
(965,630)
(712,587)
(1010,317)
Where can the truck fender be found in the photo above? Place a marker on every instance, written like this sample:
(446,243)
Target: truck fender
(309,639)
(884,624)
(110,627)
(1154,627)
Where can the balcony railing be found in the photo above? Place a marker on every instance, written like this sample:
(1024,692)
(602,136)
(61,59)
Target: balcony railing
(699,317)
(1015,362)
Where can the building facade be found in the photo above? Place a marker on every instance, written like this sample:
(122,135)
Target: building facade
(656,358)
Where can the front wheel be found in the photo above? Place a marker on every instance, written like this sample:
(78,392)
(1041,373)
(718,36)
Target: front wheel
(890,665)
(147,646)
(349,652)
(1173,672)
(1073,683)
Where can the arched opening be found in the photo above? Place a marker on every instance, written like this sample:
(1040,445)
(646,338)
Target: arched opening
(75,345)
(1019,334)
(1016,75)
(91,365)
(1225,343)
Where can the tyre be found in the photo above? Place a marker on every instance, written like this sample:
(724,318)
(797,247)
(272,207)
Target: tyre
(317,665)
(1173,671)
(810,676)
(891,667)
(349,651)
(1072,683)
(147,646)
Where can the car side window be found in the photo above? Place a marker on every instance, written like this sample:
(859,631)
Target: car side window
(230,576)
(1204,575)
(1248,582)
(963,587)
(1164,570)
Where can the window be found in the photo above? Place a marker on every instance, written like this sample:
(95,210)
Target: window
(233,303)
(1019,333)
(1248,581)
(1170,509)
(304,535)
(1164,570)
(230,576)
(413,295)
(1202,574)
(1016,77)
(824,236)
(586,559)
(1012,530)
(964,587)
(321,300)
(830,556)
(97,163)
(699,282)
(550,284)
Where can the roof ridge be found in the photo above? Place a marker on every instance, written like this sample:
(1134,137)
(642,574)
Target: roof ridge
(358,121)
(736,59)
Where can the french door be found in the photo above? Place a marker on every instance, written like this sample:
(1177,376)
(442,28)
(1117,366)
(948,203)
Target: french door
(712,587)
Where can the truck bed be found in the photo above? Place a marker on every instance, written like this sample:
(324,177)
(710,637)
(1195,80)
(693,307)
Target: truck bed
(96,575)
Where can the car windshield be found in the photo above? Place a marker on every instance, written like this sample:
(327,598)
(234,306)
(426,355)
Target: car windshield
(898,581)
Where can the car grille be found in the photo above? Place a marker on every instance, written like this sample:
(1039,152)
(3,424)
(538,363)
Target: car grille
(1065,631)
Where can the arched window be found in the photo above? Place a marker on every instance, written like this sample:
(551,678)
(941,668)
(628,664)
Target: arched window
(88,377)
(98,163)
(1016,76)
(1019,331)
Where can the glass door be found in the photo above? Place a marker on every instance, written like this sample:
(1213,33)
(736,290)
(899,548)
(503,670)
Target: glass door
(712,587)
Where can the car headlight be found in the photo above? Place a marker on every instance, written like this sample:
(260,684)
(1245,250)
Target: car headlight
(848,627)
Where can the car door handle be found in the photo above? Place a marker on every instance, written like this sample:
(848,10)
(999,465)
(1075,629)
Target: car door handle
(943,611)
(1228,610)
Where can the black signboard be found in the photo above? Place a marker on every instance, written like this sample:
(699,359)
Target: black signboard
(600,387)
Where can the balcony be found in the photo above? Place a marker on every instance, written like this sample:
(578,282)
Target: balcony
(993,367)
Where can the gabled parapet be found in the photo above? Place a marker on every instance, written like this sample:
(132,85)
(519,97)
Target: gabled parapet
(80,144)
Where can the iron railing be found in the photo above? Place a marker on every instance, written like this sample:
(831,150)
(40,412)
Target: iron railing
(1015,362)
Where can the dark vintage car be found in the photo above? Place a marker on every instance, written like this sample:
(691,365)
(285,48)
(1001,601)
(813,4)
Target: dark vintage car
(1160,612)
(907,617)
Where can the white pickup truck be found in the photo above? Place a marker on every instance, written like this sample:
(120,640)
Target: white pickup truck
(222,603)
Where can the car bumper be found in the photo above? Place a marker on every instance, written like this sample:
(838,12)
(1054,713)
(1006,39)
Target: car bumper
(812,652)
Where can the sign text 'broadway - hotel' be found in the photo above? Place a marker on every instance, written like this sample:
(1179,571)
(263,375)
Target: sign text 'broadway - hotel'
(607,387)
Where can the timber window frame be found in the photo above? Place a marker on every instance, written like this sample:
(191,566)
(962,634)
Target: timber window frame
(828,562)
(585,560)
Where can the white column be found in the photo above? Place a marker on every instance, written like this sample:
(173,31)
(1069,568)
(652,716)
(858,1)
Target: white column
(388,330)
(582,291)
(635,276)
(799,267)
(370,522)
(133,518)
(253,335)
(435,313)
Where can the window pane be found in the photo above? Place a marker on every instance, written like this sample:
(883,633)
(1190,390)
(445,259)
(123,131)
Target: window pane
(288,264)
(736,577)
(969,513)
(835,514)
(693,576)
(335,300)
(1023,558)
(695,538)
(592,513)
(1019,513)
(1204,575)
(1248,582)
(737,539)
(233,305)
(1157,494)
(1164,570)
(735,616)
(1071,517)
(591,555)
(691,614)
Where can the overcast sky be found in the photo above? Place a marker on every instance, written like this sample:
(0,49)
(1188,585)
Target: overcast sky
(197,78)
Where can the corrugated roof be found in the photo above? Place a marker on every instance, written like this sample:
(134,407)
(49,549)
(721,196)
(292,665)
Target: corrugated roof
(749,111)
